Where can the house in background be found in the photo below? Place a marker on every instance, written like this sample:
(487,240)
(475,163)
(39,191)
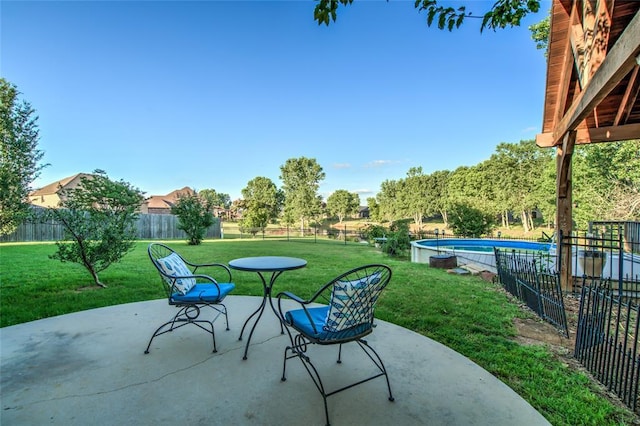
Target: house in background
(52,194)
(363,212)
(161,204)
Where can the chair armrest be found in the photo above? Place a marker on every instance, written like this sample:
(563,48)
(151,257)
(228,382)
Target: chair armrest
(292,297)
(298,299)
(205,265)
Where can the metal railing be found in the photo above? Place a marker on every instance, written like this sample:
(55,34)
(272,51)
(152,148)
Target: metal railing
(604,258)
(530,277)
(607,341)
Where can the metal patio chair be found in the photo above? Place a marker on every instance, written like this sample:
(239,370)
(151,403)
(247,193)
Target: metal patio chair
(190,291)
(347,317)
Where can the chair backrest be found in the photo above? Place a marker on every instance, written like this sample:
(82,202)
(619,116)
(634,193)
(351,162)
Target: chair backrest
(170,266)
(354,296)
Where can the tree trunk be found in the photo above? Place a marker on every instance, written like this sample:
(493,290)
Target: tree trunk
(530,216)
(302,226)
(417,218)
(443,213)
(525,221)
(94,274)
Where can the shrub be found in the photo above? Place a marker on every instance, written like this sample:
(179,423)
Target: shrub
(194,217)
(371,232)
(398,242)
(468,221)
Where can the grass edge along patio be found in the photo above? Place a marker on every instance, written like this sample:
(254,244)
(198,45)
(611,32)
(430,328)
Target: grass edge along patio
(465,313)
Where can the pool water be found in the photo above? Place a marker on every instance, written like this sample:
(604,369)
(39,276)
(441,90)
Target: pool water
(481,245)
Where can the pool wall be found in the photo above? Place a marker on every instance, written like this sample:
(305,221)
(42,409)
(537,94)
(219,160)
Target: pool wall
(463,249)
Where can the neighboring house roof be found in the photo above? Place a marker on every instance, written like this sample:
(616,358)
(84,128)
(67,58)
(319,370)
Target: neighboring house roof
(167,201)
(55,187)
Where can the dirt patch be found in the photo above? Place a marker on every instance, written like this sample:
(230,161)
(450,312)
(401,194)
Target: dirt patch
(537,331)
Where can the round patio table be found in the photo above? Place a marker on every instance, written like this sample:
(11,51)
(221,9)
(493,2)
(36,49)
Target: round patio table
(262,265)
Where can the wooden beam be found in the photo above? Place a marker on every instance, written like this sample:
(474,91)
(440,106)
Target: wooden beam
(565,74)
(629,98)
(563,176)
(617,64)
(564,206)
(599,41)
(601,134)
(613,133)
(588,33)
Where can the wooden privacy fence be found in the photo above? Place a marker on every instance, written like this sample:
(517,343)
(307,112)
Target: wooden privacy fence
(149,226)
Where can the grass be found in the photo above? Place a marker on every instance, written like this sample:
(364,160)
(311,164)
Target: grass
(467,314)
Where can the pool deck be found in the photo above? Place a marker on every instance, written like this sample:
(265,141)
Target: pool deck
(88,368)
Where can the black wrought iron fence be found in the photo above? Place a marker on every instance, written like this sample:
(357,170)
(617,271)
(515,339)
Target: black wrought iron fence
(610,258)
(531,278)
(312,234)
(607,341)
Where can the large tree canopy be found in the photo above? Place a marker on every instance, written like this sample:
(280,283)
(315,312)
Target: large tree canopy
(504,13)
(19,156)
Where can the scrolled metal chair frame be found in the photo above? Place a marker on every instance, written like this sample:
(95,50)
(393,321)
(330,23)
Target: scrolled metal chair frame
(189,311)
(300,340)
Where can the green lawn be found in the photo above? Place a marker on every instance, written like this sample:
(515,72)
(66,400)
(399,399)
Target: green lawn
(465,313)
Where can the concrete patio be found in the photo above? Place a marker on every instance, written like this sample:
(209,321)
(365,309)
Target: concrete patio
(88,368)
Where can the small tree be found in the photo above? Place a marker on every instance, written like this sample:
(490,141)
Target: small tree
(194,217)
(398,241)
(343,203)
(468,221)
(98,217)
(19,157)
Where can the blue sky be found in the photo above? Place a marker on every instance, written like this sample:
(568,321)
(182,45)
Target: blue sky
(212,94)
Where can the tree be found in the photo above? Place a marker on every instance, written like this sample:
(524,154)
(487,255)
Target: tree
(301,179)
(388,203)
(413,195)
(518,173)
(194,217)
(504,13)
(437,192)
(540,34)
(343,203)
(374,208)
(262,202)
(98,217)
(19,157)
(606,182)
(214,198)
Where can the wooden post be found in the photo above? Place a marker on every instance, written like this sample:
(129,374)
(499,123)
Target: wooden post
(564,207)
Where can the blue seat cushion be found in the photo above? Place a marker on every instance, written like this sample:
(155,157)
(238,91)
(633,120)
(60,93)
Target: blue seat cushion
(205,292)
(299,320)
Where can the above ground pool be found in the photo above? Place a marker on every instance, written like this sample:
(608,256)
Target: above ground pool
(471,250)
(479,252)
